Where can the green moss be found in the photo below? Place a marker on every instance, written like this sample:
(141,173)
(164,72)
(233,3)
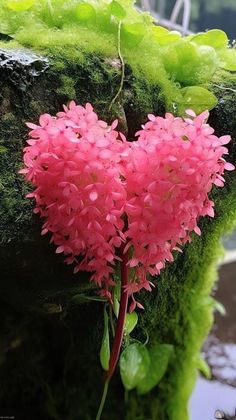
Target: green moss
(166,59)
(146,63)
(9,44)
(89,41)
(13,208)
(67,87)
(3,149)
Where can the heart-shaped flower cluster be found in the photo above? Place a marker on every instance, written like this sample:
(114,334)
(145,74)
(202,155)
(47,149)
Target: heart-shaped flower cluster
(96,190)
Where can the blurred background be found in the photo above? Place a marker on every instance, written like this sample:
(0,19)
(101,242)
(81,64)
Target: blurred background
(194,15)
(215,397)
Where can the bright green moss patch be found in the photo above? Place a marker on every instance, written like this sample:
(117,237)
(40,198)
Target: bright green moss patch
(164,57)
(81,37)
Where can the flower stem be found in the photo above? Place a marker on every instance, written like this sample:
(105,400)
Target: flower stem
(121,317)
(122,68)
(224,88)
(103,400)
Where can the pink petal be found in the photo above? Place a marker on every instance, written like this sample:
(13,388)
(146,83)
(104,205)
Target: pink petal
(229,166)
(93,196)
(60,249)
(190,112)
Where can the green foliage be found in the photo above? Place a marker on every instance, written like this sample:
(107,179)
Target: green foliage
(85,13)
(81,298)
(219,307)
(228,59)
(167,38)
(117,10)
(105,347)
(143,368)
(215,38)
(134,365)
(20,5)
(204,367)
(197,98)
(130,322)
(133,33)
(159,358)
(167,57)
(189,63)
(116,297)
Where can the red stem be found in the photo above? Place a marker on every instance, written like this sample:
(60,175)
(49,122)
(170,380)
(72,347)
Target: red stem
(115,352)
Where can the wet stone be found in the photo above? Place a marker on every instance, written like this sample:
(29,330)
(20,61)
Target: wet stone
(21,66)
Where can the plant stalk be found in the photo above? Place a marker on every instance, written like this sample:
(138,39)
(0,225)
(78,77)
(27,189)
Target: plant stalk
(115,353)
(122,68)
(103,400)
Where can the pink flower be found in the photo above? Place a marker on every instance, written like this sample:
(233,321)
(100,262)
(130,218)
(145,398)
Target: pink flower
(170,171)
(88,179)
(73,161)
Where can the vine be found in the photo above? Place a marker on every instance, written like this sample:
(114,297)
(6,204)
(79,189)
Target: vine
(122,68)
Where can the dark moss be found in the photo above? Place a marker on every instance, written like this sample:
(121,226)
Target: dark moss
(223,115)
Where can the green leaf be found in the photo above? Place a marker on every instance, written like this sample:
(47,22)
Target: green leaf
(79,298)
(117,289)
(216,38)
(228,59)
(116,298)
(203,366)
(196,98)
(158,32)
(20,5)
(82,298)
(219,307)
(116,306)
(85,12)
(189,63)
(105,347)
(117,10)
(208,61)
(159,356)
(130,322)
(133,33)
(134,364)
(187,52)
(170,37)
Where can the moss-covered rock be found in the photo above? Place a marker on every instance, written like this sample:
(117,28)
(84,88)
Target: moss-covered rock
(50,341)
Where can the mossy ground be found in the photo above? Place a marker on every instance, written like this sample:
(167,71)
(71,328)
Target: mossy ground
(49,353)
